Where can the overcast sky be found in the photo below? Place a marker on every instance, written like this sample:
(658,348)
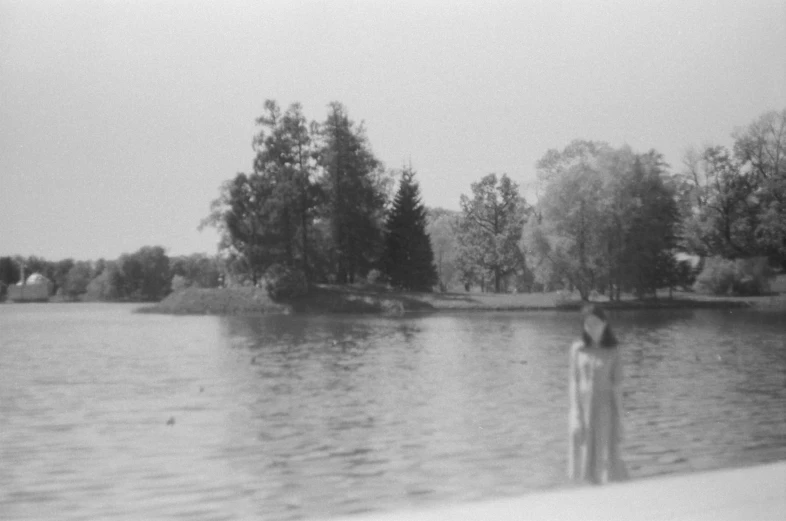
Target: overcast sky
(120,120)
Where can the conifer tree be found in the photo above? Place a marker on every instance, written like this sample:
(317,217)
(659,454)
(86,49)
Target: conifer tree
(284,150)
(409,258)
(353,201)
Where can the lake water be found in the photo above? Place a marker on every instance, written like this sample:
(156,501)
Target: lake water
(291,417)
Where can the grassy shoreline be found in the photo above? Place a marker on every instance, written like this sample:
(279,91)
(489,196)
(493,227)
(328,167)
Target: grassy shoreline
(324,299)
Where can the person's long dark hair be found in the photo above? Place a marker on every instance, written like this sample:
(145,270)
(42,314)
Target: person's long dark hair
(608,340)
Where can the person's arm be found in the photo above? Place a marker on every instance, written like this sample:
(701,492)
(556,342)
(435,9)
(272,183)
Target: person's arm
(616,383)
(576,413)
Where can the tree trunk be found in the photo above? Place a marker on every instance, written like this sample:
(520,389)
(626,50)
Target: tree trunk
(304,234)
(290,238)
(304,231)
(303,178)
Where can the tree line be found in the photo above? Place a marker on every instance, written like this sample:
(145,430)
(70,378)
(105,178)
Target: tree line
(613,220)
(148,274)
(317,206)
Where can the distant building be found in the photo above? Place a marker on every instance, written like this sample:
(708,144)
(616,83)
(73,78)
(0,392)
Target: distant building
(693,260)
(35,289)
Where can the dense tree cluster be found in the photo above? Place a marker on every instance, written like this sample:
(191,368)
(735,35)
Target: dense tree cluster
(318,201)
(264,217)
(734,202)
(607,219)
(612,220)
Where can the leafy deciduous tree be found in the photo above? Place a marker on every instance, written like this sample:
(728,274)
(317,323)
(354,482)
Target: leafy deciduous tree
(196,270)
(761,150)
(144,274)
(440,226)
(9,271)
(607,219)
(568,236)
(249,240)
(490,228)
(77,279)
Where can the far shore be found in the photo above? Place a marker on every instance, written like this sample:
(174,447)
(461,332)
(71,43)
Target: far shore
(325,299)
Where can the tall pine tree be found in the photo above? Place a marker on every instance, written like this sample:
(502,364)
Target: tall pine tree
(265,217)
(409,259)
(284,149)
(353,201)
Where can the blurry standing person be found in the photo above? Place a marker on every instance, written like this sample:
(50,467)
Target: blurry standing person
(595,402)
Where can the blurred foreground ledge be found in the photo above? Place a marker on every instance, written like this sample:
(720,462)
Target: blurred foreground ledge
(752,493)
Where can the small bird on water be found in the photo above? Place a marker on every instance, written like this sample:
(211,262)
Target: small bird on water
(171,421)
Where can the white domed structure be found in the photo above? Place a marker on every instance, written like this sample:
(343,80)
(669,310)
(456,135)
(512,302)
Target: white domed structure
(36,278)
(35,289)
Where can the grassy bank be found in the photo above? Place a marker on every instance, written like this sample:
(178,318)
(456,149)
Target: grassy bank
(322,299)
(559,301)
(216,301)
(337,299)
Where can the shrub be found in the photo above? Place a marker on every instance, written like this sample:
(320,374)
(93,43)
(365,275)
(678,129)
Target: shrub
(179,282)
(375,277)
(374,280)
(751,276)
(282,282)
(686,275)
(563,297)
(105,286)
(740,277)
(717,276)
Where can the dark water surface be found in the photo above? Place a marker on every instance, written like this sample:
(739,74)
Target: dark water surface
(289,417)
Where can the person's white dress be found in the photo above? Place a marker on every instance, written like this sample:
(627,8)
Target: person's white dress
(595,415)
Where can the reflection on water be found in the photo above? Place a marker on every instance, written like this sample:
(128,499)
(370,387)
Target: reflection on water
(292,417)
